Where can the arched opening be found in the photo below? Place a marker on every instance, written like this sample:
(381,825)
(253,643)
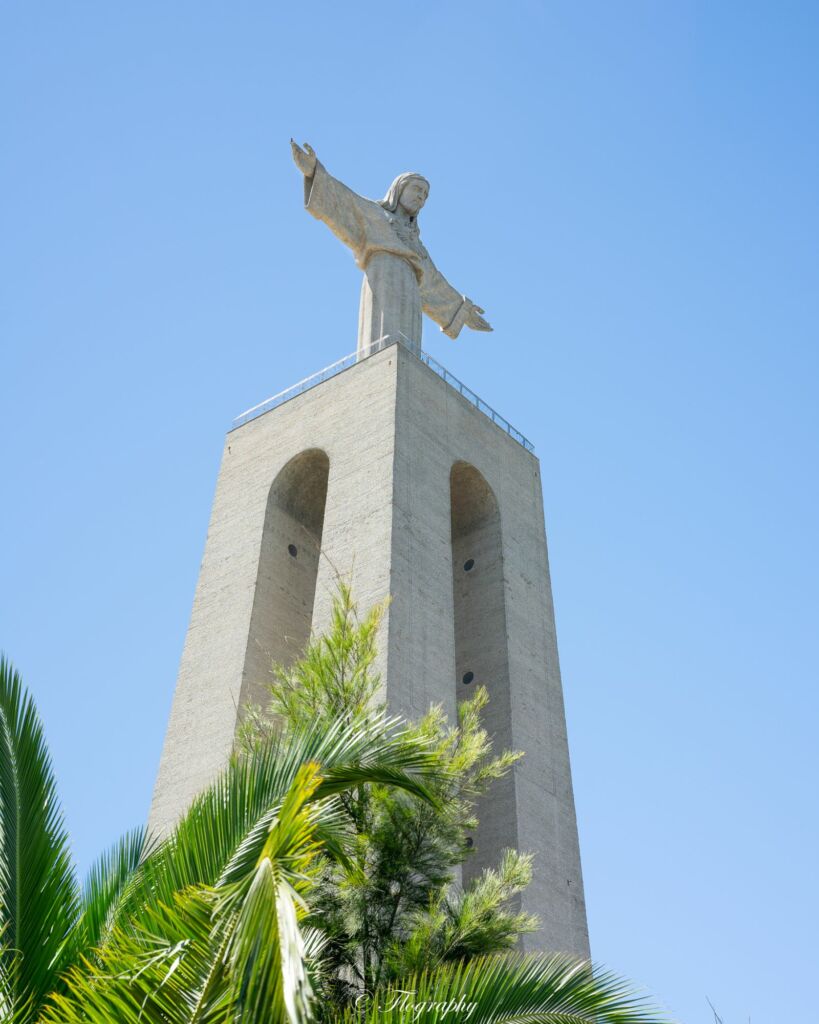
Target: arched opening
(288,568)
(481,650)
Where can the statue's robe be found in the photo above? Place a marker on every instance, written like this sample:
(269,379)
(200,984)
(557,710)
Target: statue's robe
(400,280)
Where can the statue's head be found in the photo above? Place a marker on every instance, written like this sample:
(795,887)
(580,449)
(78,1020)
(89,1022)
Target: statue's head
(409,191)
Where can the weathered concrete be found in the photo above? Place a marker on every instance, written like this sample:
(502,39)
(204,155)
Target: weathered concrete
(419,482)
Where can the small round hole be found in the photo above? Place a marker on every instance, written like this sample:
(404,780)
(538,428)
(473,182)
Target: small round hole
(470,841)
(293,550)
(469,565)
(467,679)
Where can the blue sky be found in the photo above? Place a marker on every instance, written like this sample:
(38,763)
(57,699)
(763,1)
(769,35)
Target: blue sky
(630,190)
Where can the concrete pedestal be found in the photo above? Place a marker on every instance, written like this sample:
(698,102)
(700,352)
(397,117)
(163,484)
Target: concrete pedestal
(386,474)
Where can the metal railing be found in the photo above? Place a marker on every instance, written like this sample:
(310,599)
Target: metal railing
(471,397)
(350,360)
(296,389)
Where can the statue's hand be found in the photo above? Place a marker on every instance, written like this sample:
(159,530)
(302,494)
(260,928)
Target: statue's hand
(305,158)
(476,321)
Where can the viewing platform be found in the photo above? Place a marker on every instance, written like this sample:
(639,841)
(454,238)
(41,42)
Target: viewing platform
(355,357)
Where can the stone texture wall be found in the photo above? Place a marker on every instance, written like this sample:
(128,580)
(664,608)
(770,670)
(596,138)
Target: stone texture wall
(393,431)
(436,428)
(350,418)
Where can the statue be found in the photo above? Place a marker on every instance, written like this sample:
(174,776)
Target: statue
(400,280)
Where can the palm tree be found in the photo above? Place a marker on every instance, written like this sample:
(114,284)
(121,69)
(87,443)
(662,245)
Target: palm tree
(221,897)
(224,895)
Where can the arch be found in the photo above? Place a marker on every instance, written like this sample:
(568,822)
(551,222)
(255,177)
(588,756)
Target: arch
(481,645)
(288,568)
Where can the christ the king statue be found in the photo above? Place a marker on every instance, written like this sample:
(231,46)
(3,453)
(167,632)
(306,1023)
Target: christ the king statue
(400,280)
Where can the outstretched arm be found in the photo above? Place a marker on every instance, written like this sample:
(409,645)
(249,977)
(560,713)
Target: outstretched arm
(329,199)
(447,307)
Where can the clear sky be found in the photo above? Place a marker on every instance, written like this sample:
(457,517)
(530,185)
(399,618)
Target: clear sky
(630,190)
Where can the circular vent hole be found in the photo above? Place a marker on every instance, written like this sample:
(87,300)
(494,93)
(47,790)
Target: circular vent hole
(469,565)
(293,550)
(467,679)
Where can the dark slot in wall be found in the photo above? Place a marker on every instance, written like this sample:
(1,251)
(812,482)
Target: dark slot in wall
(288,567)
(481,651)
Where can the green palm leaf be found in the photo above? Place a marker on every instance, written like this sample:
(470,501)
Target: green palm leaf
(234,952)
(105,886)
(208,928)
(38,889)
(261,911)
(13,1010)
(232,817)
(554,989)
(165,971)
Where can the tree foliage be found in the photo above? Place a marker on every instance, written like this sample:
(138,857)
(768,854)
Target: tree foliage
(39,895)
(312,880)
(392,907)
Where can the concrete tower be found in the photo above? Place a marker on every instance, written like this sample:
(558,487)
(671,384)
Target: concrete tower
(414,490)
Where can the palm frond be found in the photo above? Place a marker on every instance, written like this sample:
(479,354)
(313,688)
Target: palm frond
(234,952)
(261,911)
(38,888)
(105,886)
(13,1010)
(233,814)
(554,989)
(164,971)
